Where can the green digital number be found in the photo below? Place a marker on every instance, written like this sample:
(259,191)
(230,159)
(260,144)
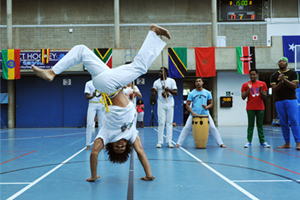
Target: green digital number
(241,3)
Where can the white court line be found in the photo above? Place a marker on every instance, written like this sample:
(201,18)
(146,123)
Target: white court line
(219,174)
(260,181)
(44,176)
(232,134)
(15,183)
(41,137)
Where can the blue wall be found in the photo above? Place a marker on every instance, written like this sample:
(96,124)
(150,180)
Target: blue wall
(43,104)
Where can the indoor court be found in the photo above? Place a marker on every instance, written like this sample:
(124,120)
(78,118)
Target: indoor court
(52,163)
(67,68)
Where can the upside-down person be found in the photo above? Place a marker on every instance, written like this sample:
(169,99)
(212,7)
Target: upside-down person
(119,132)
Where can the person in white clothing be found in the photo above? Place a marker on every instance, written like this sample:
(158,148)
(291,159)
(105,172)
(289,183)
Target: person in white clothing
(119,129)
(95,107)
(198,102)
(132,92)
(165,88)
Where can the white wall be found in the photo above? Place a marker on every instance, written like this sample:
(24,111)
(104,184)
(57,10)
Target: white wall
(236,115)
(282,26)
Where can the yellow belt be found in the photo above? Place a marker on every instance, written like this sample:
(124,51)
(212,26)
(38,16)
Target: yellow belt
(104,98)
(94,102)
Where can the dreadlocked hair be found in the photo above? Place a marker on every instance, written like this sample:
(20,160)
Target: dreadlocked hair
(118,157)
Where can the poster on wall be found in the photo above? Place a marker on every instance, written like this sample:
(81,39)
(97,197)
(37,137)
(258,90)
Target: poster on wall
(29,58)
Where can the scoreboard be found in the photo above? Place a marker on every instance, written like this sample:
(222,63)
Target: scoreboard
(226,102)
(240,10)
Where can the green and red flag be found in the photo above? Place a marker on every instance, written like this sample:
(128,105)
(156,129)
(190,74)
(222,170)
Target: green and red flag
(105,54)
(245,59)
(205,61)
(177,57)
(45,55)
(11,64)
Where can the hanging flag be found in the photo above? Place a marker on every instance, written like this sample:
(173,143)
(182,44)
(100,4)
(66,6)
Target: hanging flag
(11,64)
(177,62)
(205,61)
(45,55)
(289,43)
(245,59)
(105,54)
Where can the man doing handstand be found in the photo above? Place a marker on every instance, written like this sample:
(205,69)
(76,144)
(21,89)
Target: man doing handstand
(119,129)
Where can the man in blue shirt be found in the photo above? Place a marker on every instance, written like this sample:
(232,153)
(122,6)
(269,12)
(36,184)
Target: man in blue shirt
(201,101)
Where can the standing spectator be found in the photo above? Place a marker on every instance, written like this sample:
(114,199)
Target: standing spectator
(165,88)
(132,92)
(140,110)
(255,91)
(284,83)
(95,107)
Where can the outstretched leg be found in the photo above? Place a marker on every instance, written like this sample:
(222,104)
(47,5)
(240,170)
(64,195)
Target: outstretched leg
(78,54)
(184,132)
(214,131)
(47,74)
(120,76)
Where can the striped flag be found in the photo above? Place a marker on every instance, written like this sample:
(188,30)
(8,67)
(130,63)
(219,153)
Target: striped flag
(11,64)
(245,59)
(177,62)
(45,55)
(105,54)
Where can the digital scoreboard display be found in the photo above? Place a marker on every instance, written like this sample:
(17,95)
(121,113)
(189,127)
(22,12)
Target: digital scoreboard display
(226,102)
(240,10)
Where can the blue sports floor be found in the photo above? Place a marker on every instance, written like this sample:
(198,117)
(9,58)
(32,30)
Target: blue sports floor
(52,163)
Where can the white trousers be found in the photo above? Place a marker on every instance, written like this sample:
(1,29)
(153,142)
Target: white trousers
(212,129)
(108,80)
(140,117)
(91,113)
(165,116)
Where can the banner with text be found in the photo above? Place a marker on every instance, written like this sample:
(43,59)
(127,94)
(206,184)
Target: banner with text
(27,58)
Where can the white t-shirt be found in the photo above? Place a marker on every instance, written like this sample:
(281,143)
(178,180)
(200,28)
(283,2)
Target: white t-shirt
(120,123)
(129,90)
(171,84)
(89,88)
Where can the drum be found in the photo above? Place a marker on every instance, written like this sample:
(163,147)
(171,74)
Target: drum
(200,130)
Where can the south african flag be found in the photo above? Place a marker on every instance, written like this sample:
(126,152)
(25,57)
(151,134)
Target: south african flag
(105,54)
